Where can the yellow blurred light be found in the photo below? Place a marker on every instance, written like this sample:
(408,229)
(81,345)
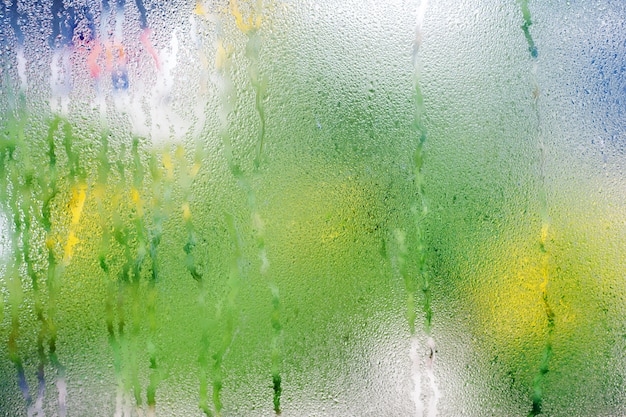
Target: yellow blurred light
(76,204)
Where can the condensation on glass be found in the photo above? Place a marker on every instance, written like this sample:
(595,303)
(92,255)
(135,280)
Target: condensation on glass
(312,208)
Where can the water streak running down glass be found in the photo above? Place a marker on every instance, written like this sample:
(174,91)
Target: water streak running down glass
(312,208)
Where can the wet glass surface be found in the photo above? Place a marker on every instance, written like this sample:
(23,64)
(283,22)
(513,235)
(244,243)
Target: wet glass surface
(312,208)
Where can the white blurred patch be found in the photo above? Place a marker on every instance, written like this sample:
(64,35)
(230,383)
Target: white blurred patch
(416,377)
(4,237)
(60,80)
(167,126)
(150,106)
(21,68)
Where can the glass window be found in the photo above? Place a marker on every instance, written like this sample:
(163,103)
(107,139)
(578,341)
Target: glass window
(312,208)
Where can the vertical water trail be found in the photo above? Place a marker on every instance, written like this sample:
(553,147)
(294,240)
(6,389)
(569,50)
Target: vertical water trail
(133,241)
(148,229)
(117,289)
(251,28)
(226,308)
(16,297)
(3,250)
(29,222)
(230,315)
(49,191)
(420,211)
(277,355)
(63,25)
(118,299)
(526,28)
(78,189)
(139,241)
(26,216)
(545,256)
(204,362)
(11,191)
(113,294)
(142,249)
(102,38)
(410,287)
(7,147)
(104,42)
(23,186)
(162,184)
(210,374)
(187,179)
(14,18)
(188,174)
(53,273)
(116,56)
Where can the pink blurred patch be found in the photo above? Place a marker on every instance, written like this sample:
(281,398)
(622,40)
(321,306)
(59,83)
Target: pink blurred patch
(145,41)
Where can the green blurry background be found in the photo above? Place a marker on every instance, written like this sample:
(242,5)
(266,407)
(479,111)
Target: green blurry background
(223,236)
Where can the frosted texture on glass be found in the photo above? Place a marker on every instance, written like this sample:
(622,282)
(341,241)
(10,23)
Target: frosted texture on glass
(312,208)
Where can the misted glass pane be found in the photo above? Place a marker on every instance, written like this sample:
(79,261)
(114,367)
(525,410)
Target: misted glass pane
(312,208)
